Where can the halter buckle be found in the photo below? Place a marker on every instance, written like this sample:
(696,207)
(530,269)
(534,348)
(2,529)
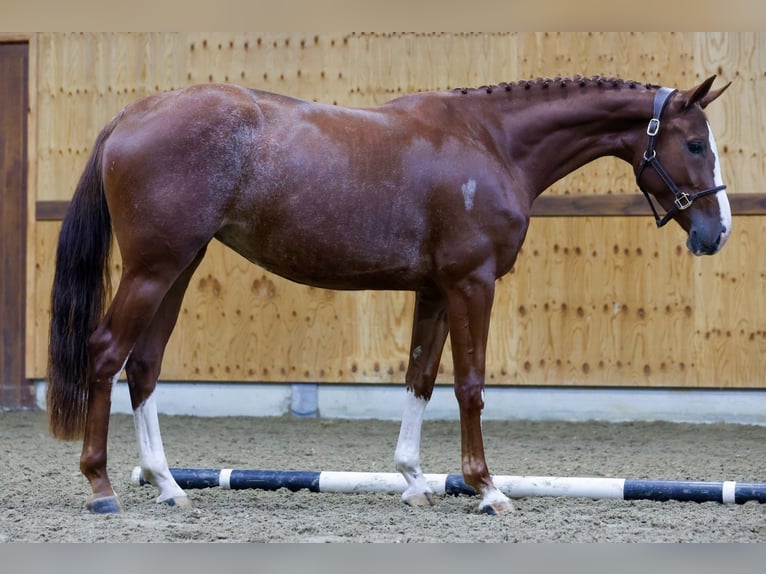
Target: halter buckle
(653,128)
(683,201)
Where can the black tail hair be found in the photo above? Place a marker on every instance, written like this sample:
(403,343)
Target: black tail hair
(81,284)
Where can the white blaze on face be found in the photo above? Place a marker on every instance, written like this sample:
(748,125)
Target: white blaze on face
(723,200)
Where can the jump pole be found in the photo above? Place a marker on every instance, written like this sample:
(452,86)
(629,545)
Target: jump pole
(726,492)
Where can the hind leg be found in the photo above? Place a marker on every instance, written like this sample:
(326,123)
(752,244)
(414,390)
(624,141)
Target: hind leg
(429,333)
(143,369)
(135,303)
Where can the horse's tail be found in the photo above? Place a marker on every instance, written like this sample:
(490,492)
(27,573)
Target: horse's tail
(81,285)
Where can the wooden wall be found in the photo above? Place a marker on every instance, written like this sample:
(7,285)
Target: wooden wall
(14,95)
(596,301)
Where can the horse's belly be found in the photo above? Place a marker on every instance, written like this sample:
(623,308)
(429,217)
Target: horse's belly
(349,261)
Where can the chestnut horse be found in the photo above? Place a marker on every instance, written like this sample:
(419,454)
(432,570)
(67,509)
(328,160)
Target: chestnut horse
(430,192)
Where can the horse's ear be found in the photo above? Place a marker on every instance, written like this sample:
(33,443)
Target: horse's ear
(712,95)
(701,94)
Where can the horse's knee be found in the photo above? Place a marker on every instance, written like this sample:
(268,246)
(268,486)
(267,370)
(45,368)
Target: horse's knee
(470,395)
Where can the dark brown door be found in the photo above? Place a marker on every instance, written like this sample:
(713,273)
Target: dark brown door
(15,390)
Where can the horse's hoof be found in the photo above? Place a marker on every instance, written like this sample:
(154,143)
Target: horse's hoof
(419,499)
(181,501)
(496,503)
(497,509)
(105,505)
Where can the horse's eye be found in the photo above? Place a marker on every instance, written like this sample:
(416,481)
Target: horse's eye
(695,147)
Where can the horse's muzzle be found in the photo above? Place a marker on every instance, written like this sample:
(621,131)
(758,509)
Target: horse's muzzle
(706,244)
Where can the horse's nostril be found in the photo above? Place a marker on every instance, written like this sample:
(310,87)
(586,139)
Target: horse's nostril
(699,245)
(710,247)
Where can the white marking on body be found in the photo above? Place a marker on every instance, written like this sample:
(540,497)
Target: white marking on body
(407,455)
(469,191)
(152,454)
(723,201)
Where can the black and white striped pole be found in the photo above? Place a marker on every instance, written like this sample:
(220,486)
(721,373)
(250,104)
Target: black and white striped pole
(726,492)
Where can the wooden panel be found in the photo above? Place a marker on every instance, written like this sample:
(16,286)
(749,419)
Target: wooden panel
(14,389)
(84,79)
(592,300)
(739,118)
(617,302)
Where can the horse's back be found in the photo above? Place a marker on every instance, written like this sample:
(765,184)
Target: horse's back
(325,195)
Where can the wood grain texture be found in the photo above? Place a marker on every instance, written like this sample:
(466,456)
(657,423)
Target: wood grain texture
(591,301)
(595,301)
(15,392)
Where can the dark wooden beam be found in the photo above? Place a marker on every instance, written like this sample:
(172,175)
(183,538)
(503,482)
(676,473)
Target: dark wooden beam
(545,206)
(628,205)
(590,205)
(50,210)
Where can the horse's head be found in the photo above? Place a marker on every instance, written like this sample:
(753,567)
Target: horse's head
(677,163)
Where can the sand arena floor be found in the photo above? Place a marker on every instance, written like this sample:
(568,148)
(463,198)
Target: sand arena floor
(43,493)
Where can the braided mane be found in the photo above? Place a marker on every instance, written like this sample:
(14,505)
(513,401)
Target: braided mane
(560,82)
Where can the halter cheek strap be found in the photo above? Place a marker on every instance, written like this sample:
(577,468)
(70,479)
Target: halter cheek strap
(682,199)
(661,99)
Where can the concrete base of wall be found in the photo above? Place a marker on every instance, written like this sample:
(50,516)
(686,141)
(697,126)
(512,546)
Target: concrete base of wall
(501,403)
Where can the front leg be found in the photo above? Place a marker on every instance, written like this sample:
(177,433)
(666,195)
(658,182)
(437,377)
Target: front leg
(469,306)
(429,333)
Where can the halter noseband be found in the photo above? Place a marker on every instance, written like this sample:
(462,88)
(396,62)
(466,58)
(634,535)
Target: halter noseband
(682,199)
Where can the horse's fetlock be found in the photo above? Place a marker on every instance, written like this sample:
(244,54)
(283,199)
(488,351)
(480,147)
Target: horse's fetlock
(92,465)
(405,463)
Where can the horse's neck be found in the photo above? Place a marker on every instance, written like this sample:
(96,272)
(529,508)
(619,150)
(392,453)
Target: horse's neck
(555,130)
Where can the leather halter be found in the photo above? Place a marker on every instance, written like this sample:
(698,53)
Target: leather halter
(682,199)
